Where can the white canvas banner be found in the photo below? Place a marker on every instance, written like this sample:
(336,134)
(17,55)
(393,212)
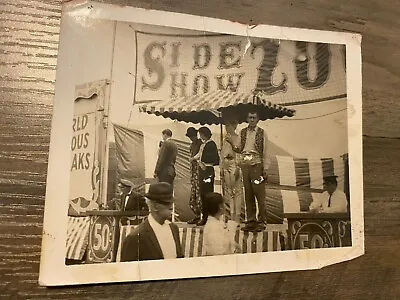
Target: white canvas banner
(83,147)
(170,66)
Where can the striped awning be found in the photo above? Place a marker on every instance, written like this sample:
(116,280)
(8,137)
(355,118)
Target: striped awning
(207,108)
(271,239)
(77,237)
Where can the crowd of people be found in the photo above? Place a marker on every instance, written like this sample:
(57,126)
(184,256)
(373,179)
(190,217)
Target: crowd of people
(244,161)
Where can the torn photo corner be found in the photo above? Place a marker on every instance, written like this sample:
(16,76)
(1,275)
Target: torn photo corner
(185,146)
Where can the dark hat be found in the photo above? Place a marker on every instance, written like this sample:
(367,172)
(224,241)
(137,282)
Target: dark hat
(126,183)
(160,192)
(330,178)
(205,131)
(191,131)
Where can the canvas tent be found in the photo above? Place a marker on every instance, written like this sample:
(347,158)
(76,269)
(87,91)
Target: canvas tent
(292,182)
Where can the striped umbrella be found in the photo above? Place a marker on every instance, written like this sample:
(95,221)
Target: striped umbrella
(209,108)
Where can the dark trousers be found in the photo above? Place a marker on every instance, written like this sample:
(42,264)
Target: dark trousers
(166,177)
(253,191)
(207,178)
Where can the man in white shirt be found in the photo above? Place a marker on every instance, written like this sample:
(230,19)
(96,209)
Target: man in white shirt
(156,237)
(331,200)
(254,162)
(130,200)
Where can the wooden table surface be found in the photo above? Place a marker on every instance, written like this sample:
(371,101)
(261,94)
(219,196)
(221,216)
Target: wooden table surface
(28,52)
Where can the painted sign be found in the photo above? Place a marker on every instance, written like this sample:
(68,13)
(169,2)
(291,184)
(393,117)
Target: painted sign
(310,231)
(284,71)
(84,163)
(87,152)
(101,239)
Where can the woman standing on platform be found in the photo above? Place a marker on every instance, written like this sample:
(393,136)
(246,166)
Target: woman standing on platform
(207,158)
(233,186)
(195,200)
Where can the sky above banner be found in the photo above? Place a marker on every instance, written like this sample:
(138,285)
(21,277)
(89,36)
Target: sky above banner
(286,72)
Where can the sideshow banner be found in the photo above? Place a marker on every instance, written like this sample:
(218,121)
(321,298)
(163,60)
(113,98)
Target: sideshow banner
(285,72)
(86,150)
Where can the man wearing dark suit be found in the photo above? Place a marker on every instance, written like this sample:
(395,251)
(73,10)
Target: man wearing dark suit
(165,166)
(130,199)
(156,237)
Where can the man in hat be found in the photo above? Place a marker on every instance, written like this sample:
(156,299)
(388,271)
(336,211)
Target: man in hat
(165,166)
(130,200)
(195,200)
(155,238)
(124,191)
(331,200)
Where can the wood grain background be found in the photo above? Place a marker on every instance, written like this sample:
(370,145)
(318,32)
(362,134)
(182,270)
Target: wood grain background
(28,52)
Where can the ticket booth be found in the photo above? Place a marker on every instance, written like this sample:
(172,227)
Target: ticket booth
(323,230)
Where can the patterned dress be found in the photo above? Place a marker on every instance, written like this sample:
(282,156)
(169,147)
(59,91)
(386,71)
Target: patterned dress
(195,201)
(233,186)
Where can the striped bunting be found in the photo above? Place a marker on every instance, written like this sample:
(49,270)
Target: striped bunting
(293,201)
(207,101)
(279,202)
(77,237)
(192,240)
(306,172)
(205,108)
(124,232)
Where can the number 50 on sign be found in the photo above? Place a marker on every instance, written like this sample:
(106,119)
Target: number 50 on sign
(101,239)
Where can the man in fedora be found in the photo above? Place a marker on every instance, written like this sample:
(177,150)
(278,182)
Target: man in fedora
(331,200)
(156,237)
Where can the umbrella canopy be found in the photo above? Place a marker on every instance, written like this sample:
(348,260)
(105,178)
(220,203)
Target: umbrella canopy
(208,108)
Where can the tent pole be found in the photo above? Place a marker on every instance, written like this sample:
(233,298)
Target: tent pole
(221,171)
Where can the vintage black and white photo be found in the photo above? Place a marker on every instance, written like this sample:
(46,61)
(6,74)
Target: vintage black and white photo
(194,146)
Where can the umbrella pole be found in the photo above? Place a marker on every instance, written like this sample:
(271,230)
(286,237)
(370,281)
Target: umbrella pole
(221,170)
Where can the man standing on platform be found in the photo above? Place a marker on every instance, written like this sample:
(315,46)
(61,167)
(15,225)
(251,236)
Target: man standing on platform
(165,167)
(254,162)
(156,237)
(331,200)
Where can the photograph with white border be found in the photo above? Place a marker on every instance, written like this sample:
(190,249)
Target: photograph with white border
(184,146)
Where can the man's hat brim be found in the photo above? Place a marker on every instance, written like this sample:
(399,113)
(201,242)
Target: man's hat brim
(126,183)
(331,178)
(161,192)
(160,199)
